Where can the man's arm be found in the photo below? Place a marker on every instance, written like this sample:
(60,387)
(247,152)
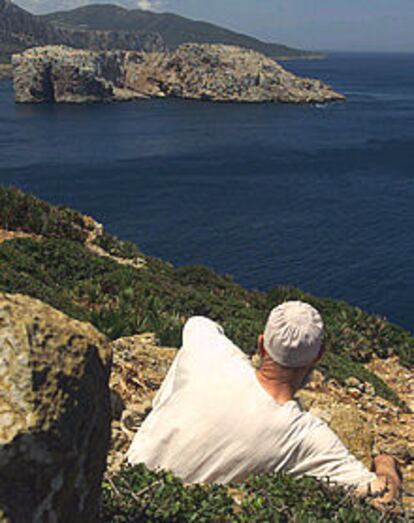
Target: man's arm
(389,480)
(199,334)
(323,455)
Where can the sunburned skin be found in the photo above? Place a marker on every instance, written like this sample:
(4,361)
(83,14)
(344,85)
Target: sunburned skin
(387,487)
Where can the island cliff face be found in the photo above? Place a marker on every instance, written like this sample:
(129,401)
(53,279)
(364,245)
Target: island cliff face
(201,72)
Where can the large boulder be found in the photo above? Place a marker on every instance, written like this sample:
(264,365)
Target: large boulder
(54,414)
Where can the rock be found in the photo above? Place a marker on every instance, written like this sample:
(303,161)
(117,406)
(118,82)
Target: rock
(74,84)
(6,72)
(345,419)
(65,75)
(216,72)
(350,425)
(354,392)
(117,405)
(353,382)
(139,367)
(369,389)
(54,413)
(317,380)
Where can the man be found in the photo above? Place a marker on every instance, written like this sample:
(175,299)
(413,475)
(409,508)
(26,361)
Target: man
(215,419)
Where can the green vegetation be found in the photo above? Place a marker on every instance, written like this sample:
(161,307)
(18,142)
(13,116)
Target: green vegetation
(121,249)
(24,212)
(137,495)
(120,300)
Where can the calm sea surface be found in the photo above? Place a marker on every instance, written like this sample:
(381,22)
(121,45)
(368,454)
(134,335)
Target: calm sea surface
(317,197)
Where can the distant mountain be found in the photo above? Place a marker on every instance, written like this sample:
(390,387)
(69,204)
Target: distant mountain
(41,7)
(108,26)
(175,30)
(20,30)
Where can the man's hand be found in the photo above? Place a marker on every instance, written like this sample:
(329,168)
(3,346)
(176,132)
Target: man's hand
(389,480)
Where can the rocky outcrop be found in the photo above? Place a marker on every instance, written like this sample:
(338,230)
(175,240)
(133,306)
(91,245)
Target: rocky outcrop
(199,72)
(59,74)
(54,414)
(139,367)
(5,72)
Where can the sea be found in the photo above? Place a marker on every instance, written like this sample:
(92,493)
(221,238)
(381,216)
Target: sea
(319,197)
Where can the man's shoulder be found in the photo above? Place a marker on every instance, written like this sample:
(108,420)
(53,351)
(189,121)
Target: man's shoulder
(199,330)
(202,335)
(201,322)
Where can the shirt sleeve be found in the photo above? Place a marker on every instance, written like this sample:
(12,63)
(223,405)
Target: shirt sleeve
(199,330)
(206,338)
(199,334)
(322,455)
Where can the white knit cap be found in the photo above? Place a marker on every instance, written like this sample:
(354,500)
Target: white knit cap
(293,334)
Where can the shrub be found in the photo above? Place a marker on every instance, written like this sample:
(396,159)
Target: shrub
(116,247)
(138,495)
(24,212)
(122,301)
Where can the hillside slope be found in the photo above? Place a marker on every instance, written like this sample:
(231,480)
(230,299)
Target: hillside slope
(20,30)
(41,7)
(56,261)
(174,29)
(67,260)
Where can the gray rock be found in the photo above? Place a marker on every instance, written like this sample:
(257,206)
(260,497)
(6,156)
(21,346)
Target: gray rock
(6,72)
(200,72)
(54,414)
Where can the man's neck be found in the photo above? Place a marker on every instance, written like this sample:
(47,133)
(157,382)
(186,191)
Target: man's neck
(279,391)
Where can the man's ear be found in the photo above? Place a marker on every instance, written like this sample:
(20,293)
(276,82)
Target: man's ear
(260,346)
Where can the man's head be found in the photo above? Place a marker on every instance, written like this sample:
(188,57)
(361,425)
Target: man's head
(292,342)
(293,334)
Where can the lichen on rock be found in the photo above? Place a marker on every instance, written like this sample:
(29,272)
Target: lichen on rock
(54,413)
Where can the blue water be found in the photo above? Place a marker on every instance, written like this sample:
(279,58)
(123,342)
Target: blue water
(316,197)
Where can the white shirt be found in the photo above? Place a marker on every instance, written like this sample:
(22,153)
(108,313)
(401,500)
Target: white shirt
(213,422)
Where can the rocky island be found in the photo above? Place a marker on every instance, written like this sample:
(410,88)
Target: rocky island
(88,329)
(214,72)
(5,72)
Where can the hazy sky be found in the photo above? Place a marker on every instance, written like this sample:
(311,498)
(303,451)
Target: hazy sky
(316,24)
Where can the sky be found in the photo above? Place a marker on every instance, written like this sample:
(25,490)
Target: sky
(348,25)
(351,25)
